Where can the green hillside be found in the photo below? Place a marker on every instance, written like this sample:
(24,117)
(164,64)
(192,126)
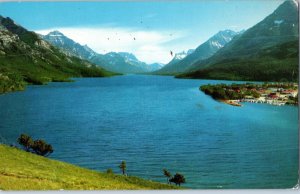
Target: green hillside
(277,63)
(27,59)
(266,52)
(20,170)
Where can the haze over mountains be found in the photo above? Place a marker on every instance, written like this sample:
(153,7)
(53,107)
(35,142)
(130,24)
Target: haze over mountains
(121,62)
(266,52)
(205,50)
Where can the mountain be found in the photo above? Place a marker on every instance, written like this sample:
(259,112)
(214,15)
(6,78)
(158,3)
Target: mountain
(268,51)
(68,46)
(183,61)
(26,58)
(121,62)
(179,56)
(155,66)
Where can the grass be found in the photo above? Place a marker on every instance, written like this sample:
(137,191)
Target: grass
(20,170)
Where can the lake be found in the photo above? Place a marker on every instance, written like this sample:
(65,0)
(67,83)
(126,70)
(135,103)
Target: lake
(156,122)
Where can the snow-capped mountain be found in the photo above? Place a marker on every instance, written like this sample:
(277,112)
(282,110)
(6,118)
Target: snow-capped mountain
(182,61)
(68,46)
(268,51)
(183,54)
(121,62)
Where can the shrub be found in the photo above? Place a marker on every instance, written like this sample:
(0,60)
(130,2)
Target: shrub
(109,171)
(178,179)
(41,148)
(25,141)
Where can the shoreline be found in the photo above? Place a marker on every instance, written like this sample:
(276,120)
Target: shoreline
(232,103)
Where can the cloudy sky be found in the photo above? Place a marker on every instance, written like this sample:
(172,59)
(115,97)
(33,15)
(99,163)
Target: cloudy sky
(150,29)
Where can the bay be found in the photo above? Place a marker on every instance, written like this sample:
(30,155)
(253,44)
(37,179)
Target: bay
(156,122)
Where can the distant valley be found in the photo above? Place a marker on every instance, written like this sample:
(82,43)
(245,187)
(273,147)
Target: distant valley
(120,62)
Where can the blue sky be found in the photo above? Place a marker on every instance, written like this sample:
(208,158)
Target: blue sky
(157,26)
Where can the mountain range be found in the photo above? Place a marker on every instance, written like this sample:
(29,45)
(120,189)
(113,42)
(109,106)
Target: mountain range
(181,63)
(120,62)
(268,51)
(26,58)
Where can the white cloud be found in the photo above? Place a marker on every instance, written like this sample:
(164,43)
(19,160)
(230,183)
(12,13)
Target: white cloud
(148,46)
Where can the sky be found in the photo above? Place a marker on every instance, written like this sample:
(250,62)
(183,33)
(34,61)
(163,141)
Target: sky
(148,29)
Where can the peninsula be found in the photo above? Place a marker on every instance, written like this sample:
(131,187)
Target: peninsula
(270,93)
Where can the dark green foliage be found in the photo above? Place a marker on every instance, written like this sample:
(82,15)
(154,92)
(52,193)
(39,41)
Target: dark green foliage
(11,82)
(221,92)
(167,174)
(109,171)
(277,63)
(40,147)
(235,91)
(123,167)
(240,91)
(25,141)
(178,179)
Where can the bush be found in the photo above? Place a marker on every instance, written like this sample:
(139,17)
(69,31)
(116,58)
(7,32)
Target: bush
(25,141)
(178,179)
(40,147)
(109,171)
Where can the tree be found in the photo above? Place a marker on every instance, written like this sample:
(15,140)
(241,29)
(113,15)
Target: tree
(25,141)
(40,147)
(167,174)
(123,167)
(178,179)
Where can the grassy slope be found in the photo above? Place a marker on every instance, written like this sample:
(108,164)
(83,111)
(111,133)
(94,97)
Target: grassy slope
(20,170)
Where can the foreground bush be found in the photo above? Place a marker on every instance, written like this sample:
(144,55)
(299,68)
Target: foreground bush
(39,147)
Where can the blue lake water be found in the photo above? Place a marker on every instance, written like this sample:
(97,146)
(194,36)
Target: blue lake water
(156,122)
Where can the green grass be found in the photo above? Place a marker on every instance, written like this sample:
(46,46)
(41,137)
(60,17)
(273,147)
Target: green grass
(20,170)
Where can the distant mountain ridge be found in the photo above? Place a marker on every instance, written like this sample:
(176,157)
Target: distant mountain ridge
(121,62)
(255,55)
(205,50)
(68,46)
